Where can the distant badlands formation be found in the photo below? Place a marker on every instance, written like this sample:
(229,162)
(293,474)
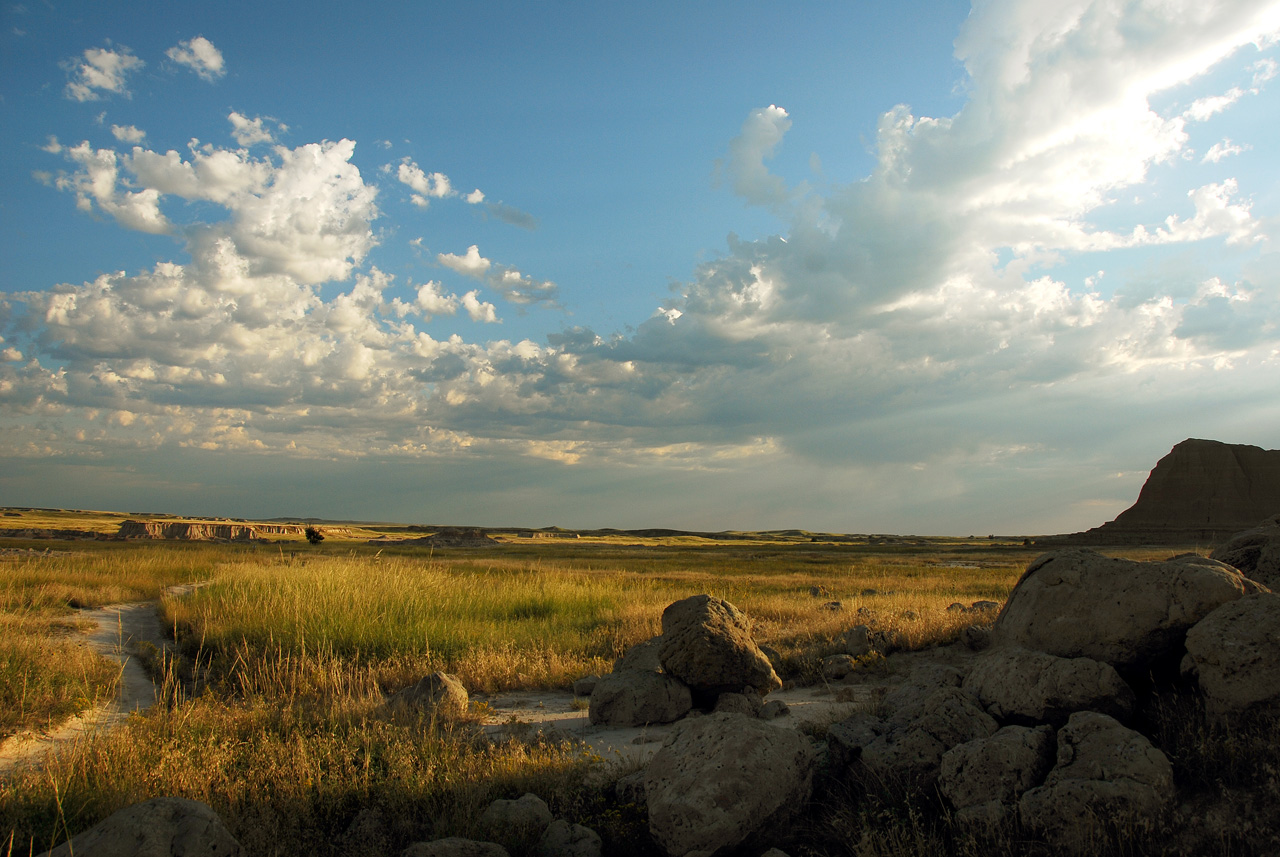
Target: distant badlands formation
(1203,491)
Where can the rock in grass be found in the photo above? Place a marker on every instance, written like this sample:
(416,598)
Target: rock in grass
(1106,774)
(857,641)
(723,779)
(638,698)
(1078,603)
(159,827)
(582,687)
(1234,653)
(836,667)
(707,644)
(454,846)
(440,695)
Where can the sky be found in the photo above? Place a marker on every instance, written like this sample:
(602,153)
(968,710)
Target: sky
(920,267)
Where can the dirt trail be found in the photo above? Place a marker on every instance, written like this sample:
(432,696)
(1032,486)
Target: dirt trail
(121,630)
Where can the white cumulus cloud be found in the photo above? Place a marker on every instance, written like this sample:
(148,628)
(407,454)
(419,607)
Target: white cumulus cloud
(199,55)
(101,70)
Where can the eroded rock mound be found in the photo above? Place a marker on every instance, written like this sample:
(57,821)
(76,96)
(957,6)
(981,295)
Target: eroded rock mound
(1234,653)
(160,827)
(1255,552)
(1078,603)
(1105,774)
(724,778)
(1204,490)
(707,644)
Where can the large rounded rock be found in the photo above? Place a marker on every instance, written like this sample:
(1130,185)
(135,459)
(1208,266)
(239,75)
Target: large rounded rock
(160,827)
(638,697)
(440,694)
(1081,604)
(1234,652)
(725,778)
(1255,552)
(1105,774)
(1024,687)
(707,644)
(984,778)
(915,738)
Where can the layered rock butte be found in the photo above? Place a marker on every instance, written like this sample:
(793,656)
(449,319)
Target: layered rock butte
(1203,490)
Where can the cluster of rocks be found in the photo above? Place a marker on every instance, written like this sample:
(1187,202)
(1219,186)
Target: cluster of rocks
(1036,732)
(526,821)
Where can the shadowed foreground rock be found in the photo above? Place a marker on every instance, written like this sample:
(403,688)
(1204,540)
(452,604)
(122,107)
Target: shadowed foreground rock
(984,778)
(1018,686)
(1234,653)
(724,778)
(637,698)
(1078,603)
(1105,774)
(161,827)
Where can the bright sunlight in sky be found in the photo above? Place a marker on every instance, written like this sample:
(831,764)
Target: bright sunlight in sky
(858,267)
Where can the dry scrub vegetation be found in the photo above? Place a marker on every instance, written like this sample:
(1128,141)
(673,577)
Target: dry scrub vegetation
(271,712)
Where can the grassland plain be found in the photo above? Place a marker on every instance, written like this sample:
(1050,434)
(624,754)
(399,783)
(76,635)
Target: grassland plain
(272,710)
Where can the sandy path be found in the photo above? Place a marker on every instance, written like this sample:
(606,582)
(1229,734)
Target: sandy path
(554,714)
(120,630)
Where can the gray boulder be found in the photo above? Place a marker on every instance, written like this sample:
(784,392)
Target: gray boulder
(1020,686)
(636,697)
(582,687)
(983,779)
(1255,552)
(563,839)
(441,695)
(836,667)
(723,779)
(914,739)
(160,827)
(524,818)
(454,846)
(707,644)
(748,703)
(1078,603)
(1234,653)
(1105,774)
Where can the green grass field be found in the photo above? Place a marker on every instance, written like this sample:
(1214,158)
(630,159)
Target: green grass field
(272,713)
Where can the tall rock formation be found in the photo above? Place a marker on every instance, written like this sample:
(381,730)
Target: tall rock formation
(1203,490)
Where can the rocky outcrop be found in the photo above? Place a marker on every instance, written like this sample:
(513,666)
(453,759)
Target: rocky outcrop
(1203,490)
(723,779)
(156,828)
(1105,774)
(1020,686)
(984,778)
(1234,654)
(1255,552)
(440,695)
(219,531)
(1078,603)
(707,644)
(635,697)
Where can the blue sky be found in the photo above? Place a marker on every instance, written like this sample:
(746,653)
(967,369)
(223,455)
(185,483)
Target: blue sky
(921,268)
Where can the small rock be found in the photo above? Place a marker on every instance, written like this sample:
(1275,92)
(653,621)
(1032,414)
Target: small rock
(773,709)
(630,789)
(867,593)
(440,694)
(957,607)
(984,606)
(836,667)
(583,686)
(524,818)
(833,606)
(857,641)
(642,656)
(749,704)
(818,591)
(562,839)
(976,638)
